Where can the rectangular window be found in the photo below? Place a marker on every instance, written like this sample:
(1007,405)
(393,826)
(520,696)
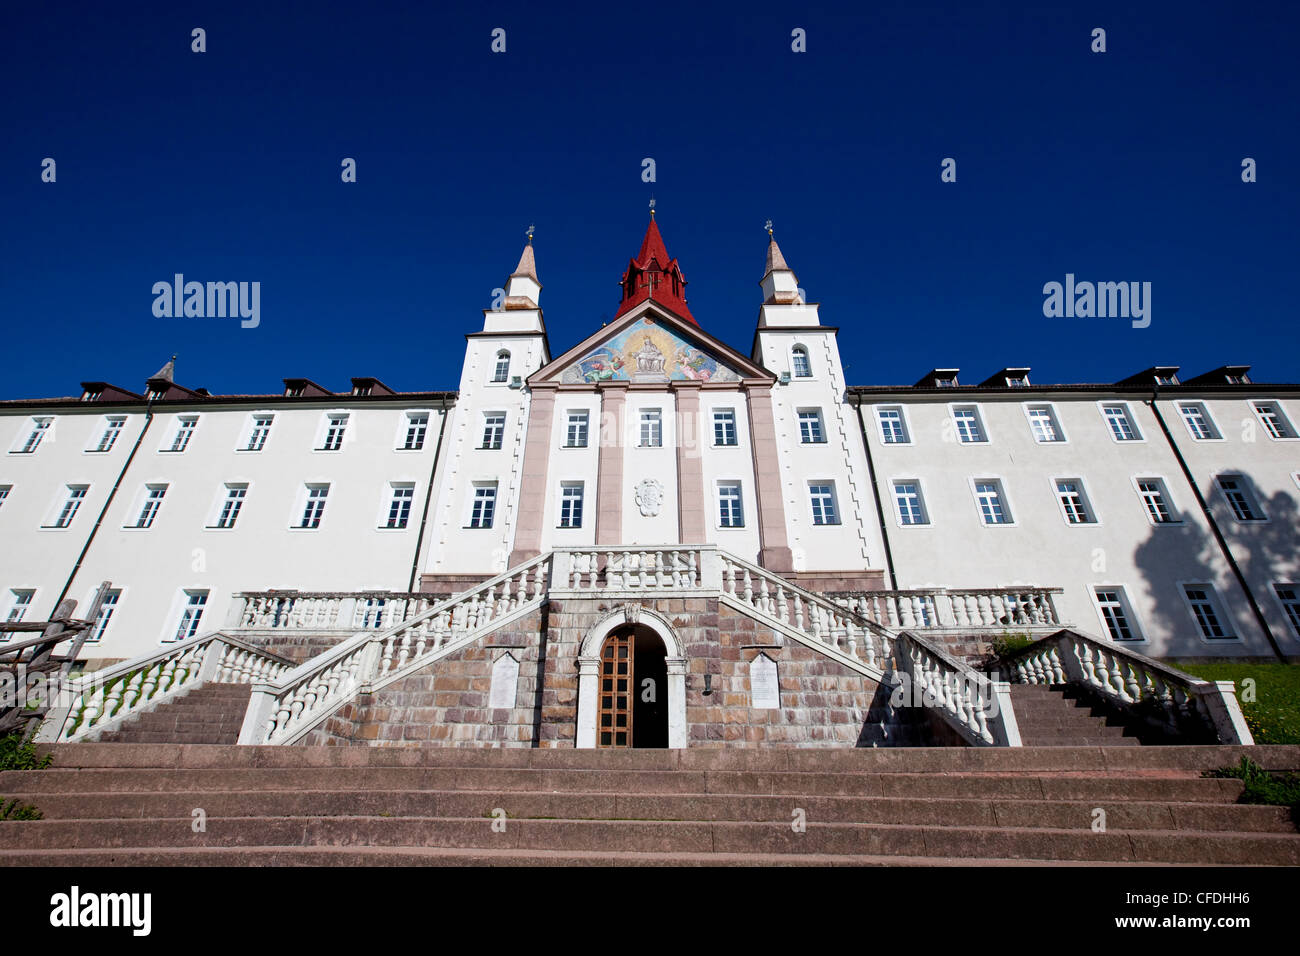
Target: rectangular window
(112,428)
(799,362)
(911,506)
(1043,423)
(4,493)
(261,429)
(485,506)
(39,427)
(576,434)
(1207,613)
(1069,491)
(502,371)
(231,506)
(494,429)
(810,426)
(399,507)
(992,504)
(152,502)
(1198,421)
(1274,419)
(1121,423)
(1289,595)
(823,503)
(1115,612)
(724,426)
(1239,498)
(651,430)
(185,426)
(571,505)
(76,495)
(334,431)
(314,509)
(731,512)
(1156,500)
(970,429)
(20,603)
(417,423)
(191,615)
(105,615)
(893,430)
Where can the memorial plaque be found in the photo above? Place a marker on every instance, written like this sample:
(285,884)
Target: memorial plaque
(505,679)
(764,689)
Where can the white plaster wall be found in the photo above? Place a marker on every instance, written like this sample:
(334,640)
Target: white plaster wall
(659,463)
(725,463)
(572,465)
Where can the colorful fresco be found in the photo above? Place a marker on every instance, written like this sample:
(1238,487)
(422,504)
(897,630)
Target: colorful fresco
(647,352)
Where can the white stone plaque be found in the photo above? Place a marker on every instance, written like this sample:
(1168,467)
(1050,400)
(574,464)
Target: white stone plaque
(505,681)
(764,688)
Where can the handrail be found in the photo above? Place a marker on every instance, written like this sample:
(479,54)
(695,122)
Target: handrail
(977,707)
(1169,697)
(284,710)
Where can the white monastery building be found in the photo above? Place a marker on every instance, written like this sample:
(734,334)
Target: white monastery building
(1158,513)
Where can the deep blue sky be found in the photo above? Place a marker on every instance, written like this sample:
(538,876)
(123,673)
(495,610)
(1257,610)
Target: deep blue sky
(225,166)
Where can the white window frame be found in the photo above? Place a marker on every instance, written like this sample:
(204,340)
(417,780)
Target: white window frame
(1175,513)
(390,503)
(800,348)
(182,619)
(921,497)
(1218,607)
(1093,519)
(142,501)
(305,499)
(113,427)
(1247,491)
(327,429)
(224,495)
(577,423)
(251,430)
(1138,436)
(1215,434)
(1126,608)
(739,485)
(16,612)
(567,522)
(178,432)
(985,439)
(104,619)
(1280,412)
(726,417)
(1030,408)
(653,417)
(1292,619)
(68,499)
(902,424)
(408,427)
(474,498)
(39,427)
(834,503)
(493,430)
(1003,497)
(5,492)
(819,418)
(499,377)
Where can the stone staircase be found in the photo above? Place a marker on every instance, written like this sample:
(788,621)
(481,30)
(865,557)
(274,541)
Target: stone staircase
(136,805)
(210,714)
(1047,717)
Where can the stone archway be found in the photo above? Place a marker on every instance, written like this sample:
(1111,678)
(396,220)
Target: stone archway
(647,622)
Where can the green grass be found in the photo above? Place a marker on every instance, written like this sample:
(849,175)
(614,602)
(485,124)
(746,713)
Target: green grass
(17,754)
(1274,716)
(13,810)
(1277,790)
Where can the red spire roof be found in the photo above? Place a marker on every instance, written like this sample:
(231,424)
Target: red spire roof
(652,275)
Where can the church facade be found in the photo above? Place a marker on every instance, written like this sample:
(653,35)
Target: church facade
(1158,513)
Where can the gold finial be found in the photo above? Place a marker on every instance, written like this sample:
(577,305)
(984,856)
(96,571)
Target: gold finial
(768,226)
(530,233)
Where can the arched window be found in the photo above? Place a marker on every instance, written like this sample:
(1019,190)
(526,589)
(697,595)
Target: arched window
(799,362)
(502,373)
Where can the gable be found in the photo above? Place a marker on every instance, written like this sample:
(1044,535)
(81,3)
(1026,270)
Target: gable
(649,349)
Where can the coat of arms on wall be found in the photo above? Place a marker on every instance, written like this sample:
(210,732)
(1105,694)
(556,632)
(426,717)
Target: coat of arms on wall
(649,496)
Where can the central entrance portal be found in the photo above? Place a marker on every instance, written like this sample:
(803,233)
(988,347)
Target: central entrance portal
(633,690)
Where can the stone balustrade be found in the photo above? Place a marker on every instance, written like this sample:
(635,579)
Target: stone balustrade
(958,609)
(103,700)
(325,610)
(1178,702)
(976,706)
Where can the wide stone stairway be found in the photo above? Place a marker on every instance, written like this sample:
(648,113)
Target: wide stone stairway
(142,804)
(1048,718)
(211,714)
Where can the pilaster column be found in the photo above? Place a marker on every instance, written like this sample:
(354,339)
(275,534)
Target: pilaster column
(774,543)
(691,503)
(532,483)
(609,466)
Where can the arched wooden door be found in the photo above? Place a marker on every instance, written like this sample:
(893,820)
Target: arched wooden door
(614,717)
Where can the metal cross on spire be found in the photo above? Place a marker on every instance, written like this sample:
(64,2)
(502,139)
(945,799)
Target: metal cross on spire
(531,227)
(768,226)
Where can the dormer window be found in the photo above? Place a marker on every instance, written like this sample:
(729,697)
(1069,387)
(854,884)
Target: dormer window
(1017,381)
(1237,379)
(91,395)
(945,381)
(362,390)
(1166,378)
(502,371)
(293,391)
(154,394)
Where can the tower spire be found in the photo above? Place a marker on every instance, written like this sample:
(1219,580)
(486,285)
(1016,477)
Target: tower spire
(653,275)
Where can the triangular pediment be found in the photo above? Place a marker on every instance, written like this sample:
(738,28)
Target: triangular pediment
(649,345)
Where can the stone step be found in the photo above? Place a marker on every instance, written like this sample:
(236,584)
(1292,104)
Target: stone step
(1254,849)
(990,811)
(914,760)
(1012,787)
